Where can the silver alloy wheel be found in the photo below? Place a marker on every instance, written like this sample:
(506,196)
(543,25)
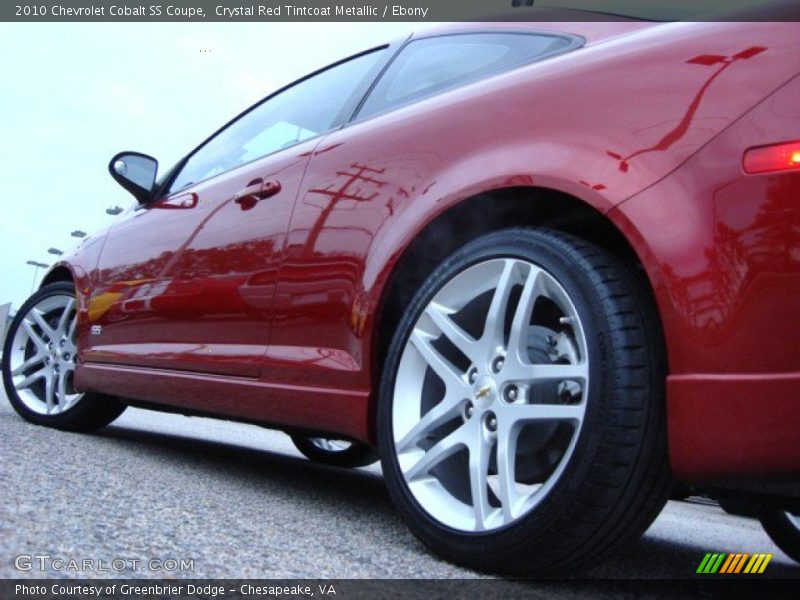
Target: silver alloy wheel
(490,394)
(329,445)
(42,358)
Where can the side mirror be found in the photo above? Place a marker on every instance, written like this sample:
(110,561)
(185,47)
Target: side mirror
(136,173)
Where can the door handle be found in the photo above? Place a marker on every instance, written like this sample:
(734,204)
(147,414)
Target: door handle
(256,190)
(269,188)
(188,200)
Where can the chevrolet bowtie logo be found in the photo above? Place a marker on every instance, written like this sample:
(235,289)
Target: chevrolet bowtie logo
(483,391)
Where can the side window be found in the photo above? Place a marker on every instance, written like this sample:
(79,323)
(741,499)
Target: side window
(431,65)
(303,111)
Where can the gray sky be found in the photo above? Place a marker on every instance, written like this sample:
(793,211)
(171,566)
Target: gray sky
(72,95)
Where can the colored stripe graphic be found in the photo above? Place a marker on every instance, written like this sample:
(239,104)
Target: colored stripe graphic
(753,564)
(767,558)
(718,562)
(731,563)
(703,563)
(711,562)
(728,564)
(758,563)
(740,563)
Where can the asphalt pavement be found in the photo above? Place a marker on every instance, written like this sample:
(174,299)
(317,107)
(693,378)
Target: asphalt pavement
(239,501)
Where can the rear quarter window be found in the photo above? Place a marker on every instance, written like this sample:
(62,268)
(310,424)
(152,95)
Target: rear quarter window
(428,66)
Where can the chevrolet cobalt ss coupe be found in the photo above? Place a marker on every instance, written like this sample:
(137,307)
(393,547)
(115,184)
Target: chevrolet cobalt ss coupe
(543,271)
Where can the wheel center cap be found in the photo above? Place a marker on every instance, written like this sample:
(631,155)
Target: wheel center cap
(484,391)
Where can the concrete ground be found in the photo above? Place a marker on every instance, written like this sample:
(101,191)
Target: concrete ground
(240,502)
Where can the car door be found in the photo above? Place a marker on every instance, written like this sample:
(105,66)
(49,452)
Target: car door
(187,282)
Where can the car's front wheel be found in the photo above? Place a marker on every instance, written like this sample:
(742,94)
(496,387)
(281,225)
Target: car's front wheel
(39,365)
(521,419)
(338,453)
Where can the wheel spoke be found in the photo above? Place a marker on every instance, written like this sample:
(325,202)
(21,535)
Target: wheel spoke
(518,338)
(558,372)
(68,402)
(71,330)
(43,325)
(440,365)
(49,392)
(64,320)
(443,449)
(517,370)
(61,389)
(440,315)
(442,412)
(494,327)
(324,444)
(479,453)
(37,340)
(32,378)
(521,413)
(507,434)
(33,360)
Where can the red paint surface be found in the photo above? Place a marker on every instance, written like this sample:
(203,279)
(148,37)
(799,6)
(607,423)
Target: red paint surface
(723,251)
(734,426)
(269,312)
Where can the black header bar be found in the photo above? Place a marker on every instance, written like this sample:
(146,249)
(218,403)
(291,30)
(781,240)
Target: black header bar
(396,10)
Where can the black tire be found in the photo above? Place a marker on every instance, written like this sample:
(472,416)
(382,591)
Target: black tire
(783,531)
(92,411)
(617,479)
(354,455)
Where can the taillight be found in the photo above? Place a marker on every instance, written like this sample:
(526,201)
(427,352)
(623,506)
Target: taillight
(779,157)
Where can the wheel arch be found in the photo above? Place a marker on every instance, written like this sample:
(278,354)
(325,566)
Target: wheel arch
(477,215)
(59,272)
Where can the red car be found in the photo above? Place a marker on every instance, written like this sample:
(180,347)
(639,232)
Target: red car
(543,270)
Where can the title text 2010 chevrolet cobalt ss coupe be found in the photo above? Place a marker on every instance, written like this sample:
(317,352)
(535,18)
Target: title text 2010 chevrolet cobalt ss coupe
(544,270)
